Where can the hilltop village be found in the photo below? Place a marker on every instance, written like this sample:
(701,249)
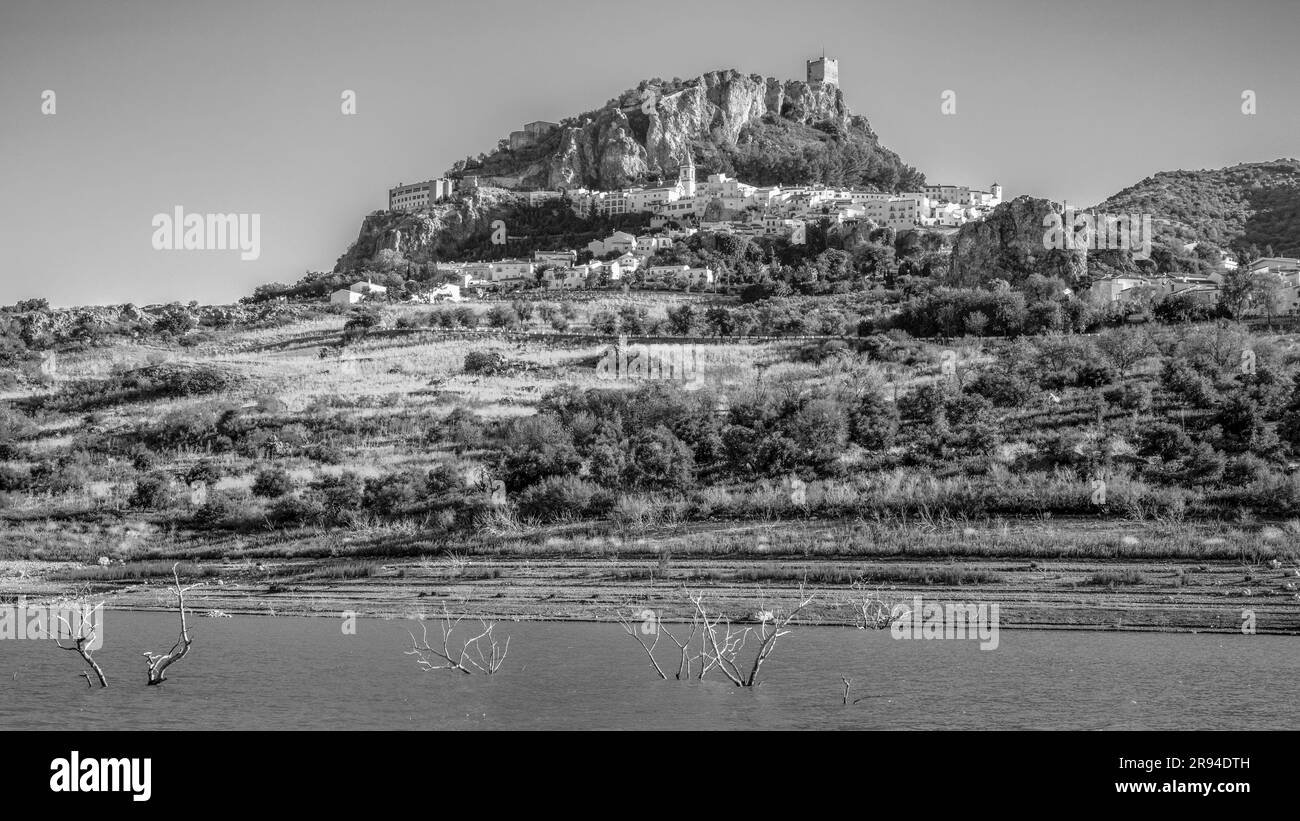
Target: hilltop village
(724,205)
(720,204)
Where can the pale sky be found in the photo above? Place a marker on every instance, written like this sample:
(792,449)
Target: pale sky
(234,106)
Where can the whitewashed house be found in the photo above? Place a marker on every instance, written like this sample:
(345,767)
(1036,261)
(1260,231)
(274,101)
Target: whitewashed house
(665,271)
(575,277)
(620,241)
(512,270)
(650,243)
(628,263)
(700,276)
(566,259)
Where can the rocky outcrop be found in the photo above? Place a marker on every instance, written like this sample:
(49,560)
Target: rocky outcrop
(1009,244)
(426,236)
(719,106)
(648,131)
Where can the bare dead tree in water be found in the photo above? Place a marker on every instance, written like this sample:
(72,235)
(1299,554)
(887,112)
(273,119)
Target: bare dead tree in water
(848,685)
(870,612)
(721,643)
(159,662)
(685,661)
(83,639)
(772,625)
(471,657)
(649,649)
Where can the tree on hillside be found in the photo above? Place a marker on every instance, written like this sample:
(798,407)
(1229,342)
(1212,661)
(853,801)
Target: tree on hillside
(605,322)
(502,316)
(360,323)
(1235,292)
(1268,294)
(683,320)
(536,447)
(1125,347)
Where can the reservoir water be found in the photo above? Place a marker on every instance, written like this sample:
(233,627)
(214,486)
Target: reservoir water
(305,673)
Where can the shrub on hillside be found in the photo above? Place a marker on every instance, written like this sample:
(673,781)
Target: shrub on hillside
(170,380)
(484,362)
(395,493)
(536,447)
(152,491)
(1004,389)
(604,322)
(502,316)
(873,424)
(558,497)
(13,478)
(221,510)
(1131,396)
(360,323)
(658,459)
(272,483)
(290,511)
(339,498)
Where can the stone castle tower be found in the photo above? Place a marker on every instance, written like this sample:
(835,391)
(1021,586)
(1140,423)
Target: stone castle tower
(824,70)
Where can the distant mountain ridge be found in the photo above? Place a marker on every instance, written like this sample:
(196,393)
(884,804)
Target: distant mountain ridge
(762,130)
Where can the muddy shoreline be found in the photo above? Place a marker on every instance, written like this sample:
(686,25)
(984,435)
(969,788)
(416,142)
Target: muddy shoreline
(1213,597)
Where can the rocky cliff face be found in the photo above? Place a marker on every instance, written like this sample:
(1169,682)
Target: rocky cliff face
(721,105)
(1009,245)
(648,131)
(423,237)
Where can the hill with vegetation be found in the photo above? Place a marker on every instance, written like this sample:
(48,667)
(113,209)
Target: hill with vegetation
(326,464)
(1236,207)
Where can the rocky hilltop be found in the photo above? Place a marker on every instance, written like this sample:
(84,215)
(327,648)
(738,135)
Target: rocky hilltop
(1008,244)
(425,236)
(761,129)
